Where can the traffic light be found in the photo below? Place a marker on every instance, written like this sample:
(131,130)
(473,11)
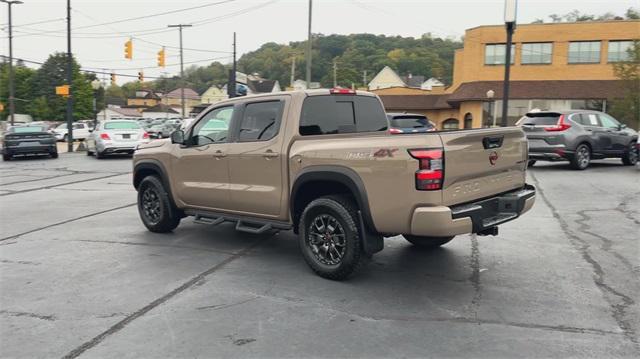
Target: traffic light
(140,76)
(113,79)
(128,49)
(161,57)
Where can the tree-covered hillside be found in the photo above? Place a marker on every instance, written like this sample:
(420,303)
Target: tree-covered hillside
(354,54)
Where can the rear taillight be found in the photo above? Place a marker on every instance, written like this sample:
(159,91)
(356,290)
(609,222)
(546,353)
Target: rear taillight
(105,136)
(560,126)
(430,176)
(145,135)
(394,130)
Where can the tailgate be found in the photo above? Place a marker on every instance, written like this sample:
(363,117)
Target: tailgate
(483,162)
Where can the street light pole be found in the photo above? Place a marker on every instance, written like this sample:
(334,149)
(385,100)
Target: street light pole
(180,26)
(69,82)
(510,9)
(12,108)
(308,78)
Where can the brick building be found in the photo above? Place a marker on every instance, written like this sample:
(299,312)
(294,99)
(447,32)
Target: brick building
(555,66)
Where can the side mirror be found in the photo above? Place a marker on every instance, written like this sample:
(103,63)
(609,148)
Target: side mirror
(177,137)
(621,126)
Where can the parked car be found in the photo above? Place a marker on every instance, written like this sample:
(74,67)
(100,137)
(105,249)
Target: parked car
(409,123)
(578,136)
(323,164)
(81,131)
(116,137)
(27,140)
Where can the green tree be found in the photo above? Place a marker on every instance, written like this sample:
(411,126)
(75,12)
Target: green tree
(51,74)
(23,83)
(627,109)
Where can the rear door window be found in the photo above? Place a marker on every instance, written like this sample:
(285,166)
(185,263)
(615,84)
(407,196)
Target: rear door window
(332,114)
(260,121)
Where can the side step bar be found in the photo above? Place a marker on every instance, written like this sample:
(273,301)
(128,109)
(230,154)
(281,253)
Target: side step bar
(243,224)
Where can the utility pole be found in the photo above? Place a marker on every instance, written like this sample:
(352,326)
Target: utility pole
(308,78)
(231,86)
(335,74)
(69,82)
(12,108)
(182,84)
(510,11)
(364,78)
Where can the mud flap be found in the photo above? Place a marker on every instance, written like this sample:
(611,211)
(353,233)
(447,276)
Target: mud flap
(371,243)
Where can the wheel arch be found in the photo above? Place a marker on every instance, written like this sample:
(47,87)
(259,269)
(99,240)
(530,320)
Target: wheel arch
(317,181)
(149,167)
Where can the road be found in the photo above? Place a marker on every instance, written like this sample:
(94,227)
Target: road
(81,277)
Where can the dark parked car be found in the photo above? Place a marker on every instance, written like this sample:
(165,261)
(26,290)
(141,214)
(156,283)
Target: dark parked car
(409,123)
(578,137)
(26,140)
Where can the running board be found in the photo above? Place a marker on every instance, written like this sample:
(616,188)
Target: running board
(251,225)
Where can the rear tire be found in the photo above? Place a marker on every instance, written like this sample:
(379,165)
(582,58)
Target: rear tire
(99,155)
(581,159)
(6,158)
(531,163)
(54,154)
(630,156)
(155,208)
(329,238)
(427,242)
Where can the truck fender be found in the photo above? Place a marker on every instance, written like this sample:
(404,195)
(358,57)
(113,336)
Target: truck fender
(372,240)
(150,166)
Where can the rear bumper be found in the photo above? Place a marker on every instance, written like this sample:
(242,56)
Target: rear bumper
(550,153)
(20,150)
(474,217)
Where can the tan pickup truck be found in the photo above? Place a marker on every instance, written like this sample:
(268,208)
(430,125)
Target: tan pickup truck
(324,164)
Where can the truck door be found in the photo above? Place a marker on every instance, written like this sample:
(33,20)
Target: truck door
(257,158)
(200,171)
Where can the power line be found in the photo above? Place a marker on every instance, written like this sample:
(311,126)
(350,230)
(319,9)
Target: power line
(140,17)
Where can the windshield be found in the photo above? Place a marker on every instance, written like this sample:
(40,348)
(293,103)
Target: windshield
(121,126)
(27,129)
(410,122)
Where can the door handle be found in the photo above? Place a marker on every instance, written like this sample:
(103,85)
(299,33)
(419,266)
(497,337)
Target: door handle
(270,154)
(588,130)
(219,154)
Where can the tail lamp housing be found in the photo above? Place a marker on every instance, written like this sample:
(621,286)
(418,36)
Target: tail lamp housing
(105,136)
(560,126)
(430,175)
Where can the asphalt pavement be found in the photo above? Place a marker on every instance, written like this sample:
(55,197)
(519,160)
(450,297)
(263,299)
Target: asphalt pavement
(80,276)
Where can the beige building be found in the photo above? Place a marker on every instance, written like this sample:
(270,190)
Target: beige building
(556,66)
(174,100)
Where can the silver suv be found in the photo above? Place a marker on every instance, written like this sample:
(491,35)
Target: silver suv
(578,137)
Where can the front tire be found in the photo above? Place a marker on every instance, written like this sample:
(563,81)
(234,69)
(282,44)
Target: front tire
(581,159)
(531,163)
(329,238)
(6,157)
(155,208)
(630,157)
(427,242)
(54,154)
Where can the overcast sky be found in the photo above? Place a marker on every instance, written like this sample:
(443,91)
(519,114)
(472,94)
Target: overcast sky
(255,21)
